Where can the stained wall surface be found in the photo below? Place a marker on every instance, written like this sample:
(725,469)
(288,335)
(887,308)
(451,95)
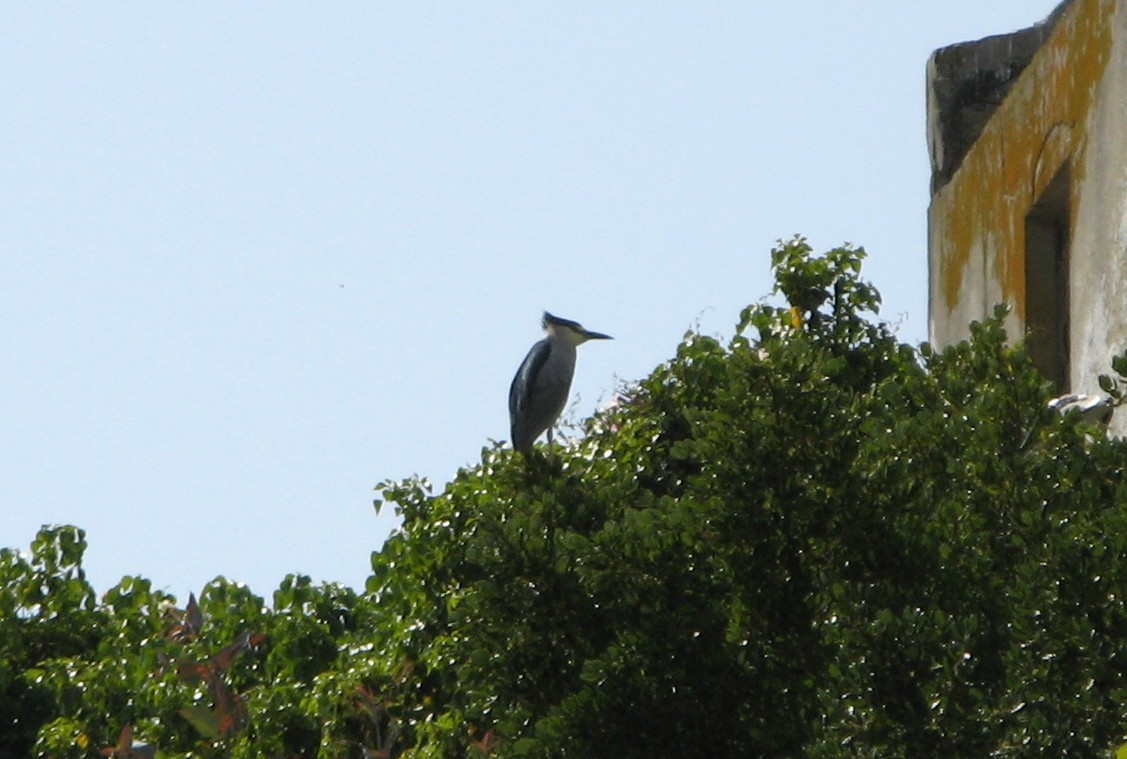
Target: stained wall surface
(1051,98)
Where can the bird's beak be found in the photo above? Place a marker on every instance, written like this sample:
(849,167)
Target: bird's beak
(596,335)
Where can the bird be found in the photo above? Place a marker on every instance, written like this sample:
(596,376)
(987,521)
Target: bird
(1093,409)
(542,383)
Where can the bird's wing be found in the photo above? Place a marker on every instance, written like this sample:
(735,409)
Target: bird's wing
(523,383)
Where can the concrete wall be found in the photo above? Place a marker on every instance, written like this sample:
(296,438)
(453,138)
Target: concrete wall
(1048,98)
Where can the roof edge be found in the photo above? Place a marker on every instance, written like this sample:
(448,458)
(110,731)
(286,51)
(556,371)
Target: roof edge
(967,81)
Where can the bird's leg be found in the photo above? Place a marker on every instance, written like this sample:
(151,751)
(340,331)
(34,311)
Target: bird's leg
(551,452)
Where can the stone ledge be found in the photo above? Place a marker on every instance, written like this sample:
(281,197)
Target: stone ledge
(966,83)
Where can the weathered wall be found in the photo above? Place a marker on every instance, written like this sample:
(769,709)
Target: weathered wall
(966,82)
(1099,248)
(1064,101)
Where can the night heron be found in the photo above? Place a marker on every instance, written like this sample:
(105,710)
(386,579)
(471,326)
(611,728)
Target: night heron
(539,391)
(1093,409)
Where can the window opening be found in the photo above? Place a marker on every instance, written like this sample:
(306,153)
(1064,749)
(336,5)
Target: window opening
(1046,282)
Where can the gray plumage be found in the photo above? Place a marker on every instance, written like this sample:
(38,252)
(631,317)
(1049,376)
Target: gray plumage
(1093,409)
(540,388)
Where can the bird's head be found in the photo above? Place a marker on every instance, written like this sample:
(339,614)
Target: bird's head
(568,330)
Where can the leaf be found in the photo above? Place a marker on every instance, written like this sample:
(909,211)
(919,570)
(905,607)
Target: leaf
(124,745)
(192,671)
(191,623)
(246,641)
(487,742)
(205,720)
(368,703)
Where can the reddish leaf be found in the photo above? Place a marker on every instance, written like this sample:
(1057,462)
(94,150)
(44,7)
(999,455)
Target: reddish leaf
(225,657)
(192,622)
(247,641)
(233,718)
(487,742)
(222,695)
(406,669)
(229,710)
(163,664)
(368,703)
(192,671)
(124,745)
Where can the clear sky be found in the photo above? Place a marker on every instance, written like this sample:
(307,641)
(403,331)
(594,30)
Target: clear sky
(257,258)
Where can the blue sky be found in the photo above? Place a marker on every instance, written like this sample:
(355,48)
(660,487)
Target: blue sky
(259,258)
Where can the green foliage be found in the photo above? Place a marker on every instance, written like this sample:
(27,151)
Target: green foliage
(223,677)
(808,541)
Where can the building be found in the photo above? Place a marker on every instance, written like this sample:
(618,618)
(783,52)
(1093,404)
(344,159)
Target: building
(1027,134)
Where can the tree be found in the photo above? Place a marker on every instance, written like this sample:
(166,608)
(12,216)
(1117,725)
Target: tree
(809,540)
